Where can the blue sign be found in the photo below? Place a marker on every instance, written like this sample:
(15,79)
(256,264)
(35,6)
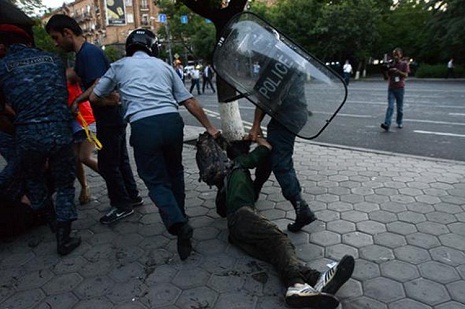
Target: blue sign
(184,19)
(208,21)
(162,18)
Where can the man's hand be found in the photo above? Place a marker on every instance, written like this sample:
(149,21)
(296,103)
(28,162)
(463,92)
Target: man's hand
(255,133)
(263,142)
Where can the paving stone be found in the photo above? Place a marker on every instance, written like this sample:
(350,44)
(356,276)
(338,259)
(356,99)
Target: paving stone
(199,297)
(389,240)
(394,207)
(441,217)
(236,301)
(422,240)
(127,292)
(376,253)
(159,296)
(309,252)
(383,289)
(354,216)
(363,302)
(325,238)
(94,287)
(382,216)
(426,291)
(364,270)
(438,272)
(450,305)
(340,226)
(371,227)
(98,302)
(411,217)
(448,208)
(457,228)
(448,256)
(401,228)
(408,304)
(412,254)
(24,299)
(357,239)
(432,228)
(336,252)
(453,241)
(399,271)
(127,272)
(66,300)
(69,265)
(62,283)
(33,280)
(456,290)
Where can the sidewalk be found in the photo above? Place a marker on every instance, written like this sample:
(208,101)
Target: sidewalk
(401,217)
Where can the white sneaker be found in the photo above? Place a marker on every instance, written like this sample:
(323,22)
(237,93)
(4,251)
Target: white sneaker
(306,296)
(331,280)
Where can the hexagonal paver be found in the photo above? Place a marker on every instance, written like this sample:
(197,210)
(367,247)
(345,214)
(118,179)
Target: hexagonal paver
(438,272)
(236,301)
(456,290)
(336,252)
(354,216)
(448,256)
(33,280)
(363,302)
(62,283)
(161,295)
(365,270)
(432,228)
(191,278)
(371,227)
(453,241)
(400,271)
(382,216)
(66,300)
(95,287)
(357,239)
(309,252)
(200,297)
(376,253)
(401,228)
(426,291)
(408,304)
(325,238)
(383,289)
(412,254)
(24,299)
(390,240)
(422,240)
(340,226)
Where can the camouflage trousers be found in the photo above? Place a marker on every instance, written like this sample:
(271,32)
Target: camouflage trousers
(262,239)
(10,178)
(42,147)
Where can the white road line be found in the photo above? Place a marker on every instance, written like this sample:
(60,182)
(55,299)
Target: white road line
(457,114)
(439,133)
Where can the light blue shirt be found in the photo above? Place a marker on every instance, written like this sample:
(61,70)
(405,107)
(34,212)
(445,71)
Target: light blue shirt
(147,86)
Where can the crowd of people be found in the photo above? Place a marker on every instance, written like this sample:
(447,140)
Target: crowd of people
(49,112)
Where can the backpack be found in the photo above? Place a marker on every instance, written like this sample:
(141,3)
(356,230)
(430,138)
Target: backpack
(211,159)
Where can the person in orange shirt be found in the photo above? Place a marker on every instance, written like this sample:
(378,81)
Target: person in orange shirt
(83,148)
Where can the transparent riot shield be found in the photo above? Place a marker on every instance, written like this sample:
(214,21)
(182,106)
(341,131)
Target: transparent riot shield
(277,75)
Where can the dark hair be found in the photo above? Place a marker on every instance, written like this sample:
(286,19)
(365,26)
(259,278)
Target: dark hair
(237,148)
(59,22)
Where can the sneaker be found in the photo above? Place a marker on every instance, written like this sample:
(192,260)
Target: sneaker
(184,241)
(306,296)
(138,201)
(331,280)
(115,214)
(385,127)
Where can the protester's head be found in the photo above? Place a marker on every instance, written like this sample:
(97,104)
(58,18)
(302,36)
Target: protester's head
(237,148)
(63,29)
(142,40)
(11,34)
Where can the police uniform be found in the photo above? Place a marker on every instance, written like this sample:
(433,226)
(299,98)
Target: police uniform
(33,82)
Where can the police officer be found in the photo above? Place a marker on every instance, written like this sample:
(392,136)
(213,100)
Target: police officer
(151,93)
(33,83)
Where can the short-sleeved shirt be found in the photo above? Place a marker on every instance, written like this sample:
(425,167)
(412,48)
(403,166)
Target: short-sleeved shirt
(91,64)
(147,85)
(400,81)
(33,82)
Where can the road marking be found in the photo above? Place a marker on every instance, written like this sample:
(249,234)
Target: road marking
(457,114)
(439,133)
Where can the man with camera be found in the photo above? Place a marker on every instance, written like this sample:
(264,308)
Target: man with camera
(397,72)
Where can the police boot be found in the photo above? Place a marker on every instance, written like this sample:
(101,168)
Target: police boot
(303,216)
(65,243)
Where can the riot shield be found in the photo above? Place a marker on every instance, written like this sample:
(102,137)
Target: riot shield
(277,75)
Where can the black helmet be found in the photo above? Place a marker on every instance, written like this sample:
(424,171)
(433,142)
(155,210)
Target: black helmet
(142,39)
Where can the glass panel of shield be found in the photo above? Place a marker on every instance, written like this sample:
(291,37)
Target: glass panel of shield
(277,75)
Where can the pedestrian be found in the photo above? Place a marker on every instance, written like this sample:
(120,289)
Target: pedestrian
(151,93)
(33,82)
(113,158)
(180,70)
(347,69)
(83,147)
(207,77)
(261,239)
(397,73)
(450,68)
(195,78)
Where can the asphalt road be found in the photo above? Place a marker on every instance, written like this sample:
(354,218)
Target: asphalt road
(434,113)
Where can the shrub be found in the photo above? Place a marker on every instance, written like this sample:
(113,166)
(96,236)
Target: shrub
(437,71)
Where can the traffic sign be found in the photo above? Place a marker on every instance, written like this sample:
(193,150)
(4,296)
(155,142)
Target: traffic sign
(162,18)
(184,19)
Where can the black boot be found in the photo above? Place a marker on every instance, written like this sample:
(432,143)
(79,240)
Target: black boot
(184,241)
(303,214)
(66,244)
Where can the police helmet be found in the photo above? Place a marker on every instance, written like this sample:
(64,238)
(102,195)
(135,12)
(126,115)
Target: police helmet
(142,39)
